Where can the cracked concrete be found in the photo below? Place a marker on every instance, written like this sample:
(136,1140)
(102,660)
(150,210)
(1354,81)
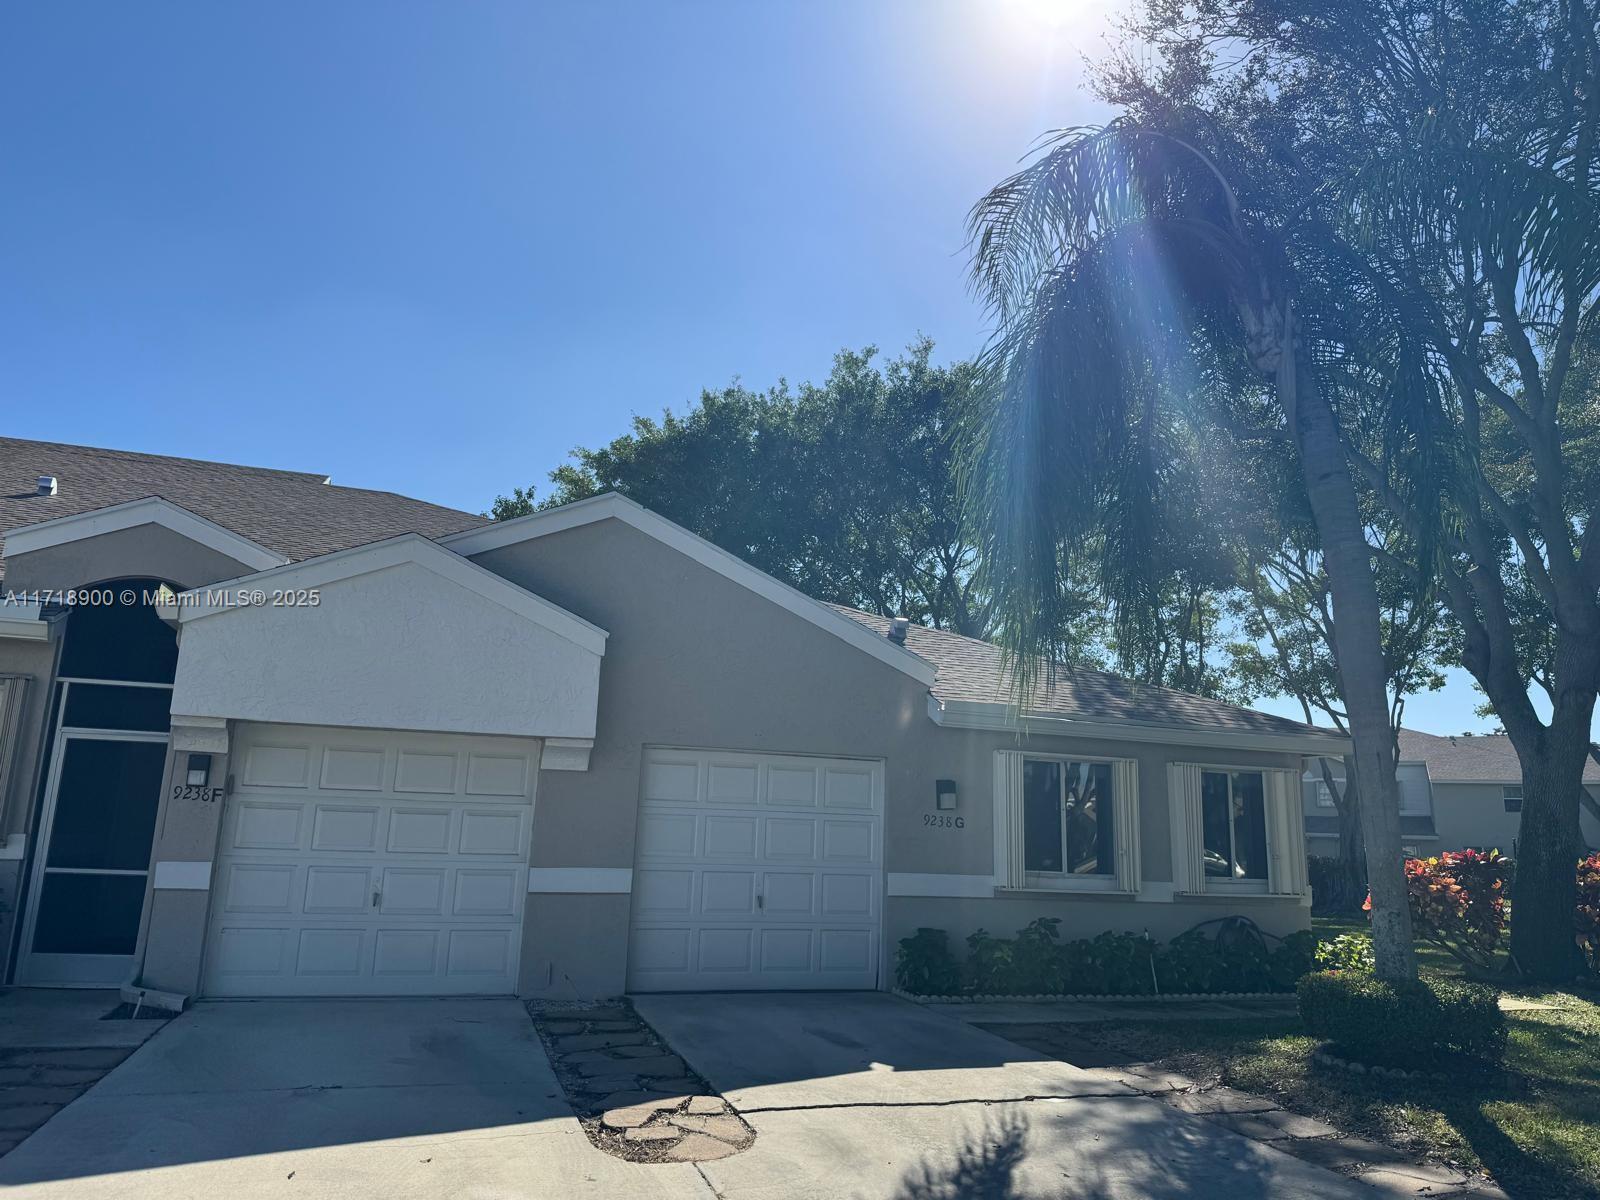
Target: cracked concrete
(870,1097)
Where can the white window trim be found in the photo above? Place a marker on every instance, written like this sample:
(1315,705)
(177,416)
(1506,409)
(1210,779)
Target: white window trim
(1286,851)
(1010,862)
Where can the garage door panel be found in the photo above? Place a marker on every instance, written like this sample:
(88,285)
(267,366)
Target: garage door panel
(337,889)
(258,826)
(416,771)
(352,770)
(419,830)
(268,765)
(341,828)
(491,832)
(367,863)
(756,871)
(413,891)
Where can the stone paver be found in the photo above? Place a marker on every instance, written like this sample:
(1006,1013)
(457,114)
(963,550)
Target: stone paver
(725,1128)
(613,1065)
(1217,1100)
(697,1147)
(1395,1182)
(635,1115)
(652,1133)
(663,1064)
(1274,1125)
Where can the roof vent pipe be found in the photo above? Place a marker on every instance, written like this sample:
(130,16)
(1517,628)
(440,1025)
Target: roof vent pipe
(47,485)
(897,630)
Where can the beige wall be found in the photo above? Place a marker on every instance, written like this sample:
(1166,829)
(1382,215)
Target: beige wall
(696,660)
(1474,814)
(144,551)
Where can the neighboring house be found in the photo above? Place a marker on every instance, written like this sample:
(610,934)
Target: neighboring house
(1455,793)
(298,739)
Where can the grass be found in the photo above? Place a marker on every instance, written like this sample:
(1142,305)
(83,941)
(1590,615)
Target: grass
(1534,1127)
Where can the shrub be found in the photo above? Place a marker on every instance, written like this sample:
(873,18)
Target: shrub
(925,966)
(1426,1023)
(1036,962)
(1588,914)
(1111,964)
(1347,952)
(1458,902)
(988,963)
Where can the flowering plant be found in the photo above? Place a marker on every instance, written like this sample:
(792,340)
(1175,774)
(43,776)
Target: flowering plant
(1588,914)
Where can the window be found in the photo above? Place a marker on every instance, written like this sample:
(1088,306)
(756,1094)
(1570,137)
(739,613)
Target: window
(1068,826)
(1324,795)
(1511,793)
(1064,824)
(1234,820)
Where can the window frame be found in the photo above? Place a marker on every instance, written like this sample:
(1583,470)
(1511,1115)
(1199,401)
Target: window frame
(1231,886)
(1506,797)
(1011,875)
(1064,880)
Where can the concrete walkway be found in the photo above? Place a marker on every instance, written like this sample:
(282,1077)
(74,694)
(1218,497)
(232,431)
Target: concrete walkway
(871,1097)
(387,1099)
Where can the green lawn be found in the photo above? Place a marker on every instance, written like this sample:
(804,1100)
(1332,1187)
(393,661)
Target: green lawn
(1535,1126)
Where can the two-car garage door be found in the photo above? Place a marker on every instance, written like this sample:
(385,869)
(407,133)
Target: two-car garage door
(757,872)
(371,863)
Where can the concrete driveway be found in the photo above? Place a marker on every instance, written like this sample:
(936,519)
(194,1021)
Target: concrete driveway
(870,1097)
(347,1098)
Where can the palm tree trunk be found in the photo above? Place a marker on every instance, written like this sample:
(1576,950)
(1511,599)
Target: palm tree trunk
(1357,628)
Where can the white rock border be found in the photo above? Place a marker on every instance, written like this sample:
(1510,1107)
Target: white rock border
(1106,998)
(1326,1058)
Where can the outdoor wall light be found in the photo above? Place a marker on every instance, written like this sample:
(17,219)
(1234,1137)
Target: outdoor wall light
(199,770)
(944,791)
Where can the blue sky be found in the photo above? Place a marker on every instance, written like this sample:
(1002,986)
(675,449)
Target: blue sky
(432,247)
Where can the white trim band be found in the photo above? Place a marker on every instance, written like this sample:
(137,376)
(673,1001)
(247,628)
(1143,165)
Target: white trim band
(912,883)
(178,876)
(152,510)
(585,880)
(22,621)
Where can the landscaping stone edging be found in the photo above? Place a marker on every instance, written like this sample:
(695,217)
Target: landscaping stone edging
(1112,998)
(635,1098)
(1326,1058)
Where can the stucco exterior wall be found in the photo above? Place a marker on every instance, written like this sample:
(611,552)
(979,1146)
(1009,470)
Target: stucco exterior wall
(695,660)
(144,551)
(1474,814)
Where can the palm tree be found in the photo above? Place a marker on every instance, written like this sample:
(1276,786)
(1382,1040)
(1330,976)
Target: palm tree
(1109,263)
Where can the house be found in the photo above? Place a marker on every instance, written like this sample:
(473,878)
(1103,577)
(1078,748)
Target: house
(1455,793)
(268,736)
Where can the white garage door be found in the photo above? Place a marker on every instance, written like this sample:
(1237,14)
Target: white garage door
(359,863)
(757,872)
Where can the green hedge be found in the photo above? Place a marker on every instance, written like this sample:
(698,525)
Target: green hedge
(1225,955)
(1425,1024)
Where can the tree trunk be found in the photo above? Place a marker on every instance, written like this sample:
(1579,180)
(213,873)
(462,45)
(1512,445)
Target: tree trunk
(1352,887)
(1544,895)
(1357,631)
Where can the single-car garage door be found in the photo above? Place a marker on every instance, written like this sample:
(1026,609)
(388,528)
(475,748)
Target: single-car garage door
(757,871)
(360,863)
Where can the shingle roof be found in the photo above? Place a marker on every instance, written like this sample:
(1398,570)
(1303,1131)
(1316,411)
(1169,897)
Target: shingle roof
(1489,757)
(972,670)
(297,514)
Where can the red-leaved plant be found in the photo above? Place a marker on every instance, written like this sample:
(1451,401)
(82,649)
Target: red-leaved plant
(1588,924)
(1458,902)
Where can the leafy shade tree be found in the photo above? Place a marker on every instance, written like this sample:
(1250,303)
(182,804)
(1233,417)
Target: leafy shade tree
(1105,262)
(1435,166)
(1285,615)
(844,489)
